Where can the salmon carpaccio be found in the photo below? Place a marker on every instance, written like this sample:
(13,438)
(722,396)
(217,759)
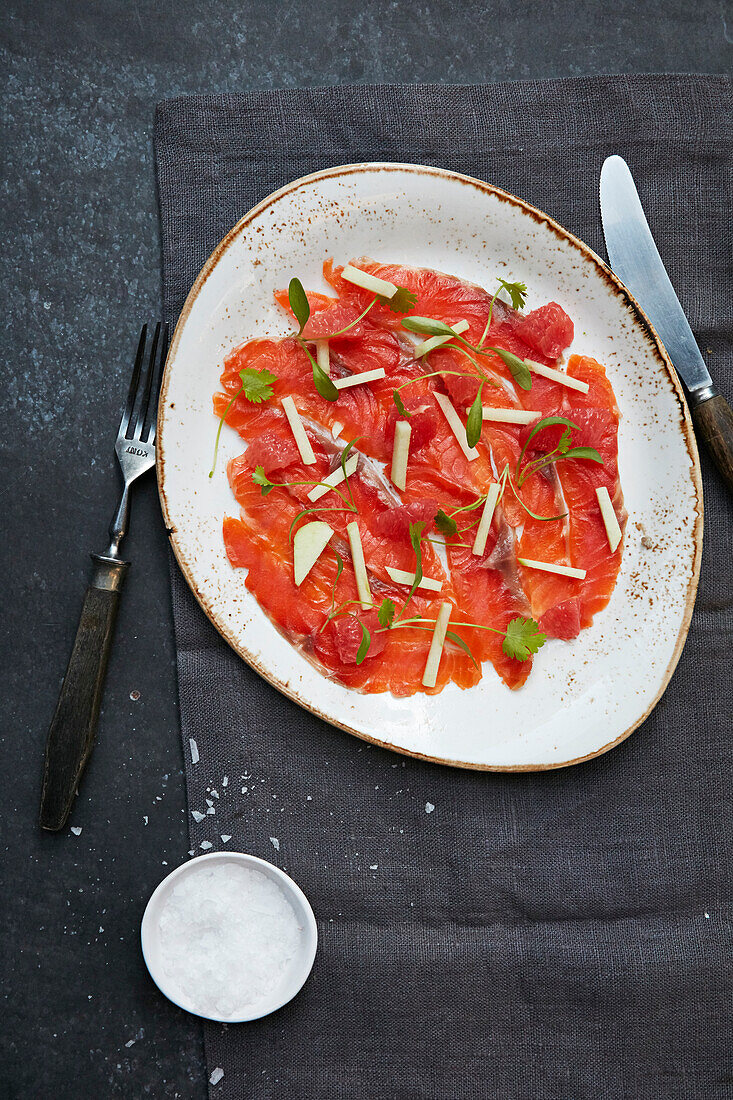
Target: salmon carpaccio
(486,591)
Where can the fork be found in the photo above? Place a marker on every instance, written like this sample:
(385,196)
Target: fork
(74,724)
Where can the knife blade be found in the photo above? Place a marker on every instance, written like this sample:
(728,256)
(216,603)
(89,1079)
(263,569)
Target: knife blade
(634,257)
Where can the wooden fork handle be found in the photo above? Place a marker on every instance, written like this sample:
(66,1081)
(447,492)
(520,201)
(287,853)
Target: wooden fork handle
(74,724)
(713,421)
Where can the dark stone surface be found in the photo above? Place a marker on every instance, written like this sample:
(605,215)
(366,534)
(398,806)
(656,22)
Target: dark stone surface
(80,273)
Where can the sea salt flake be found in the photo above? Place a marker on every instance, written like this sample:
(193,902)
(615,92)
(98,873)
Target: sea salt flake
(205,844)
(76,830)
(145,819)
(429,807)
(215,794)
(211,810)
(216,1076)
(225,781)
(373,866)
(130,1043)
(197,815)
(209,802)
(225,838)
(194,751)
(275,843)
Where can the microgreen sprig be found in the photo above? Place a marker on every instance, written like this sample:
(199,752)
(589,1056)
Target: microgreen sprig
(301,310)
(256,387)
(562,450)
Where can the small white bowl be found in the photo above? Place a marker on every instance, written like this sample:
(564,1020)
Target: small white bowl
(299,969)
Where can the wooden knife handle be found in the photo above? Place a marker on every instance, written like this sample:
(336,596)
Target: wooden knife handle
(713,420)
(74,724)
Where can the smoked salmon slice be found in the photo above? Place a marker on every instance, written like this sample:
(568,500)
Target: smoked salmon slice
(548,514)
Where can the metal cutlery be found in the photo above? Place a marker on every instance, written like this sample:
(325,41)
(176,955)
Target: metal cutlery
(74,724)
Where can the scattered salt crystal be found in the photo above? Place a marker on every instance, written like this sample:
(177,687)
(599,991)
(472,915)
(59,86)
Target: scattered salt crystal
(211,810)
(145,819)
(209,802)
(101,929)
(216,1076)
(275,843)
(244,790)
(194,751)
(308,798)
(215,794)
(707,916)
(225,781)
(228,936)
(373,866)
(76,830)
(429,807)
(225,838)
(191,851)
(197,815)
(130,1043)
(205,844)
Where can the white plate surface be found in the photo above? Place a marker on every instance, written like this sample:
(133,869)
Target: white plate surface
(583,696)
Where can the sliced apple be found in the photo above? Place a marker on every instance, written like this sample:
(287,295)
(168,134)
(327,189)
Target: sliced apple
(309,542)
(557,376)
(334,478)
(360,569)
(455,425)
(400,453)
(357,379)
(510,416)
(479,543)
(613,531)
(368,282)
(434,342)
(550,567)
(401,576)
(435,652)
(323,356)
(302,441)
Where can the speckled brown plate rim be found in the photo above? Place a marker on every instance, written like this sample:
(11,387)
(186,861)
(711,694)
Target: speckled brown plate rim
(647,330)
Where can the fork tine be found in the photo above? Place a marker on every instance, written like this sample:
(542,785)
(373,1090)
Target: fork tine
(153,412)
(130,403)
(142,411)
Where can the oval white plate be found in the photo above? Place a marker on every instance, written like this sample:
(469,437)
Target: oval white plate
(298,970)
(583,697)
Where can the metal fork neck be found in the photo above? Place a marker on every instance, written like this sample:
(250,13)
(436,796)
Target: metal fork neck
(118,526)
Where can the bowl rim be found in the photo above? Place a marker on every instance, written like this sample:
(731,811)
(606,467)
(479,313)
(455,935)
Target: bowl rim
(148,935)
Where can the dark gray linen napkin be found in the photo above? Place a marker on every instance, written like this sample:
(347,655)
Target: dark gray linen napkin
(564,934)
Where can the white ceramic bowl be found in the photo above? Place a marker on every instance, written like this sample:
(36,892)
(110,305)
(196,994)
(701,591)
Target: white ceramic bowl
(299,969)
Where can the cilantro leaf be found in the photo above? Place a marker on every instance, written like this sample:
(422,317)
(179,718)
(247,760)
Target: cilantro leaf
(366,641)
(400,405)
(401,302)
(446,524)
(260,478)
(522,638)
(299,303)
(564,441)
(386,611)
(257,384)
(546,422)
(517,292)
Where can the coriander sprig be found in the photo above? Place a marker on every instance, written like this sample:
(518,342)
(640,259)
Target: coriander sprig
(563,449)
(256,387)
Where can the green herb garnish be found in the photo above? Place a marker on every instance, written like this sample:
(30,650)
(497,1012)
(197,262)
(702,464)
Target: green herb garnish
(516,291)
(256,387)
(366,641)
(522,638)
(562,450)
(401,302)
(386,611)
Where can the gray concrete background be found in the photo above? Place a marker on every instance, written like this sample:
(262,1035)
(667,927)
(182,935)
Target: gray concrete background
(80,267)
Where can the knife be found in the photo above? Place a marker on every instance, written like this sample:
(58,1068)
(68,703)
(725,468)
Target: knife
(633,256)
